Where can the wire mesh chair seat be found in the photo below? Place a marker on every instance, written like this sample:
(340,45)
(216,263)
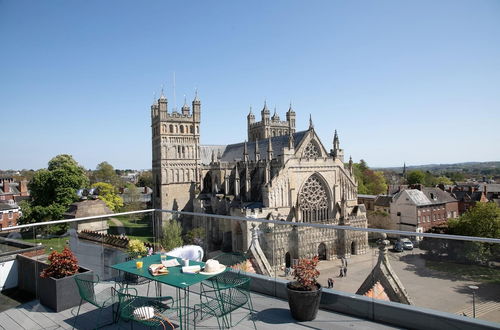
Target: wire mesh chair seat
(149,311)
(223,297)
(107,297)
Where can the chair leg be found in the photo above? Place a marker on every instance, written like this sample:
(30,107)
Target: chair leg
(77,313)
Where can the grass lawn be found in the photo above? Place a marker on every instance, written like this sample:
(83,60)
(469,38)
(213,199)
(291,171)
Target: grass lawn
(50,243)
(135,228)
(470,272)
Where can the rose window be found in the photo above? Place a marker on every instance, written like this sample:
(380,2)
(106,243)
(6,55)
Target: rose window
(312,151)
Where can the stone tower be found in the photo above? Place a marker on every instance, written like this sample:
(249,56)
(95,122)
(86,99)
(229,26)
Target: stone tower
(176,154)
(270,126)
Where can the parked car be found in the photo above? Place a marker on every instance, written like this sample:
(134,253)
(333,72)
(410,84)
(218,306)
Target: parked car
(398,247)
(407,244)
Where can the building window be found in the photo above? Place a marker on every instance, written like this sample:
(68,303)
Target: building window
(313,200)
(312,151)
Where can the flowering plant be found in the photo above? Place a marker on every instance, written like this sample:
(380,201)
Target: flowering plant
(62,264)
(136,248)
(306,274)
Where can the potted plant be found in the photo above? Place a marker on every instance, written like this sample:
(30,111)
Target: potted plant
(57,287)
(304,294)
(136,249)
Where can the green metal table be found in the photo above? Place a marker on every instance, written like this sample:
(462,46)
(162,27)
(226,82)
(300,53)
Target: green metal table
(175,278)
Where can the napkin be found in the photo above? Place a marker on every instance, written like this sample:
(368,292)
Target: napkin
(170,263)
(191,269)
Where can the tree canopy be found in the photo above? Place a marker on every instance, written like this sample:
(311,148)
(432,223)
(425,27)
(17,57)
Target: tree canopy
(105,172)
(416,177)
(172,234)
(369,181)
(107,193)
(54,189)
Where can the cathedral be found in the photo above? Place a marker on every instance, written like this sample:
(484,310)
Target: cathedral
(279,174)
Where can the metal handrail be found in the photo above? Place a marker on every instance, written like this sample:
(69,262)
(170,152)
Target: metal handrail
(276,222)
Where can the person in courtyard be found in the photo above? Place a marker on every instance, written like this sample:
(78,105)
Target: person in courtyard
(341,272)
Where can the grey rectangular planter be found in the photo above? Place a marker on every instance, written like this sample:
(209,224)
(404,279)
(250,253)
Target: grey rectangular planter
(57,294)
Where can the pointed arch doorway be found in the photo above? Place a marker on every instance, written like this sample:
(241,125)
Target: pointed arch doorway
(322,251)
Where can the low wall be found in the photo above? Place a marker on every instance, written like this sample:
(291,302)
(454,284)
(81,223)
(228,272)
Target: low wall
(400,315)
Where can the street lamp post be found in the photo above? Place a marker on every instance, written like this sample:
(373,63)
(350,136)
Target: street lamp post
(473,288)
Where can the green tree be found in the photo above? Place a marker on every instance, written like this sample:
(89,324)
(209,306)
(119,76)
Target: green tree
(145,179)
(369,181)
(134,198)
(195,236)
(107,193)
(482,220)
(105,172)
(416,177)
(53,190)
(375,182)
(443,180)
(172,235)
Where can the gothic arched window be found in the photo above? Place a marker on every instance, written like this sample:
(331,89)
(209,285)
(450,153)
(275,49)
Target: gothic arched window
(313,200)
(312,151)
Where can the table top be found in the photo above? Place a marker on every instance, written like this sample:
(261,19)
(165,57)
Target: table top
(175,276)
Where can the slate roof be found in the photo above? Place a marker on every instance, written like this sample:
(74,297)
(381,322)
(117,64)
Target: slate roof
(233,152)
(438,195)
(416,196)
(467,195)
(206,152)
(13,189)
(7,206)
(383,200)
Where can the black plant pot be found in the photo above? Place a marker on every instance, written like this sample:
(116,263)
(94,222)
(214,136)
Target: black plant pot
(304,305)
(60,293)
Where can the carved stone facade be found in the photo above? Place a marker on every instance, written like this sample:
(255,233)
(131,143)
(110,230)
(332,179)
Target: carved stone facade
(279,174)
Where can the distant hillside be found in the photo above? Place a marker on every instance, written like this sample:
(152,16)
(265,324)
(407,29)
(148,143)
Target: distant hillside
(468,168)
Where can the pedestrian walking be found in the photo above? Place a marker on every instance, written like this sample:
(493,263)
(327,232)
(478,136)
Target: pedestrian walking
(345,262)
(341,272)
(333,282)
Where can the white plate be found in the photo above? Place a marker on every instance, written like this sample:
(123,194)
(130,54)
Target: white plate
(221,269)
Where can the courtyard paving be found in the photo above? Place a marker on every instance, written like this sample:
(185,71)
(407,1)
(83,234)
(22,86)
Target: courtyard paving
(426,287)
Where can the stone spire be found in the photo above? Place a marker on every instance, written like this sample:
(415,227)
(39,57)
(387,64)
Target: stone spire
(245,152)
(350,164)
(311,125)
(265,114)
(291,143)
(257,151)
(236,181)
(269,150)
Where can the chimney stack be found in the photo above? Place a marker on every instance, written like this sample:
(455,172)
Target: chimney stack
(23,188)
(6,186)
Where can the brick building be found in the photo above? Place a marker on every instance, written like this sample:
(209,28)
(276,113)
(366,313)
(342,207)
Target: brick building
(9,213)
(11,190)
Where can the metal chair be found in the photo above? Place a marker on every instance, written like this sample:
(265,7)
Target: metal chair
(149,311)
(226,292)
(105,298)
(222,297)
(130,279)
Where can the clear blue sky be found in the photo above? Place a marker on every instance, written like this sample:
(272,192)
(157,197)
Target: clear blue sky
(414,81)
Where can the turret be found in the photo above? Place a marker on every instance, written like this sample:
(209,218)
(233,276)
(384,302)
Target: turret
(185,108)
(290,118)
(265,113)
(337,152)
(250,117)
(162,101)
(196,108)
(275,116)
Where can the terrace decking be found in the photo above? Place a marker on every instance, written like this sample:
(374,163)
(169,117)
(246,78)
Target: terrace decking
(271,313)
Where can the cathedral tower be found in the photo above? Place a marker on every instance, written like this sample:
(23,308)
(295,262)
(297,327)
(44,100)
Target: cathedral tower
(270,126)
(176,158)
